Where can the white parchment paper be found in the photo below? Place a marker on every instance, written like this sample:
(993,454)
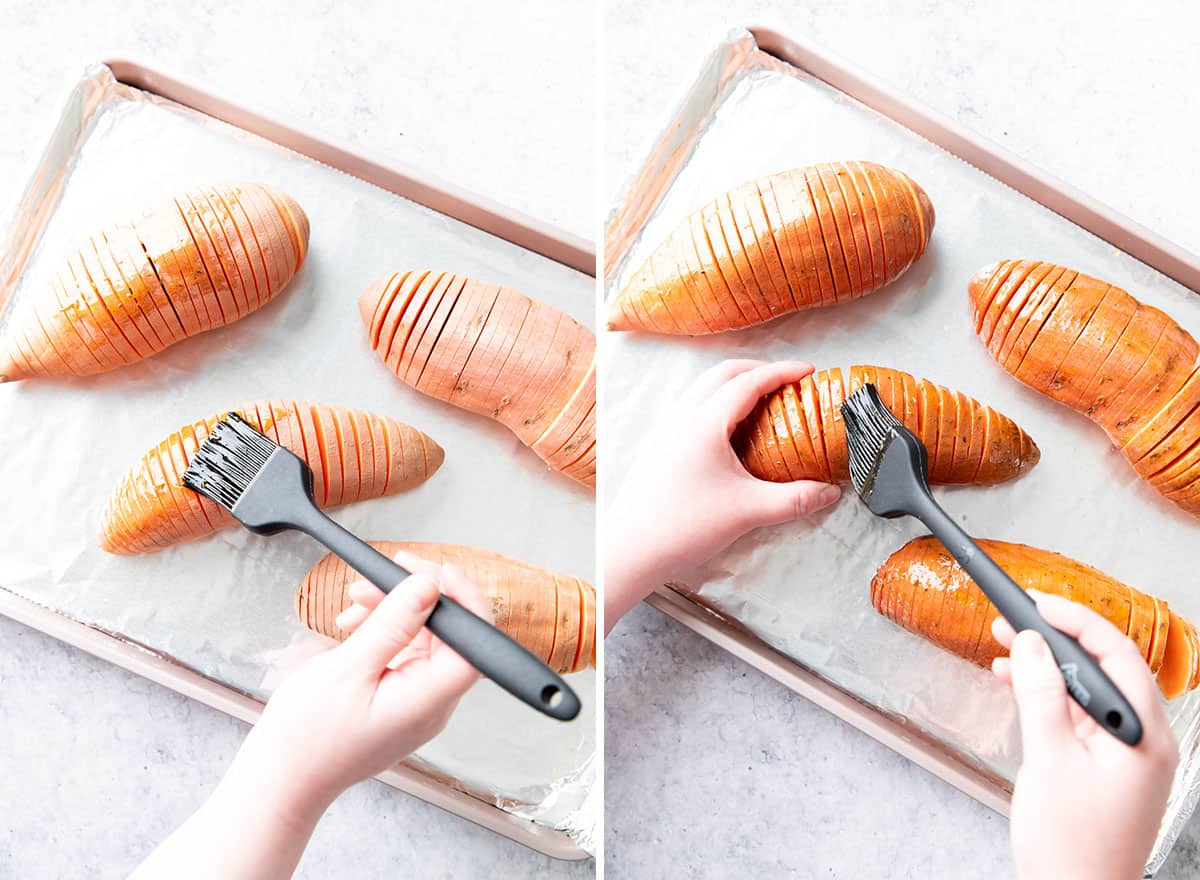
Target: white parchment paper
(804,587)
(223,605)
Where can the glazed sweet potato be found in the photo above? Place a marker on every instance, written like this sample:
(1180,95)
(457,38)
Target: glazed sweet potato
(553,615)
(796,240)
(354,455)
(200,261)
(796,433)
(1128,366)
(495,352)
(923,589)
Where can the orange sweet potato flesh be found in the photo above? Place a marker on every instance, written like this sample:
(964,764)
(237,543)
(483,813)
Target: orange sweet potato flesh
(551,614)
(796,432)
(795,240)
(201,260)
(1180,663)
(354,455)
(1090,345)
(953,613)
(494,352)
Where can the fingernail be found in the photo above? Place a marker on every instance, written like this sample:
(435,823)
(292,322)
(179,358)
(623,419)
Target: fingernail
(1030,645)
(345,617)
(829,495)
(422,591)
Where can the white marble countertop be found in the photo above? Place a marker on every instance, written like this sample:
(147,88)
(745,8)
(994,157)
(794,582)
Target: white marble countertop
(712,769)
(99,765)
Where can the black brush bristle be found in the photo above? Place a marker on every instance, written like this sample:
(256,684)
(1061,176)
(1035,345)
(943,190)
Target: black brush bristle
(228,461)
(870,426)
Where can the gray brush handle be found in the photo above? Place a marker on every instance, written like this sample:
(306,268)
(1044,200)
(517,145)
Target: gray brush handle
(1086,682)
(500,658)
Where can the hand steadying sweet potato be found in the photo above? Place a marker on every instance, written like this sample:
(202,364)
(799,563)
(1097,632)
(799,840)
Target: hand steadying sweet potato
(495,352)
(924,590)
(796,433)
(353,454)
(1128,366)
(552,615)
(795,240)
(202,260)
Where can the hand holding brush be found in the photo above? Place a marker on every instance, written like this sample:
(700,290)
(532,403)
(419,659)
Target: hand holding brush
(888,468)
(268,490)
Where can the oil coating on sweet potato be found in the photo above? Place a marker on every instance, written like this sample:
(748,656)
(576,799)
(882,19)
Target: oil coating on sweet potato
(204,259)
(954,614)
(494,352)
(1128,366)
(552,615)
(795,240)
(796,433)
(353,455)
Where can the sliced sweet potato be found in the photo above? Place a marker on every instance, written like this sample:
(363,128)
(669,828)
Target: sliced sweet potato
(491,351)
(151,508)
(961,623)
(543,610)
(798,430)
(1127,366)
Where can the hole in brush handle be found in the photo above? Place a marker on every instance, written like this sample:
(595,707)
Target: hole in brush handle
(1089,686)
(504,660)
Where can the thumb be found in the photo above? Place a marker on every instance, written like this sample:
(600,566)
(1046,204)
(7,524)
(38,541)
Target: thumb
(393,624)
(1040,693)
(783,502)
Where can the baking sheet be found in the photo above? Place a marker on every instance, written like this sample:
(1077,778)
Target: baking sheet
(804,587)
(223,605)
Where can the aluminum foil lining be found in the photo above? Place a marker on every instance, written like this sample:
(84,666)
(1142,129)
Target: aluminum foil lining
(804,587)
(223,605)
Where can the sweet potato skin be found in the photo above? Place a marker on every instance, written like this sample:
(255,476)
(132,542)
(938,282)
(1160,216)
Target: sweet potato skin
(795,240)
(354,455)
(202,260)
(492,351)
(550,614)
(796,432)
(922,588)
(1127,366)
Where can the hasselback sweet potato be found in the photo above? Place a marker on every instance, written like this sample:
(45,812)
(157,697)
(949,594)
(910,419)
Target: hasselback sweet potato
(353,454)
(1128,366)
(796,432)
(795,240)
(495,352)
(200,261)
(553,615)
(924,590)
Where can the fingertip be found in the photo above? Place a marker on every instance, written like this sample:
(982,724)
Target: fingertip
(1002,631)
(364,593)
(827,496)
(414,563)
(351,617)
(457,584)
(420,590)
(1028,646)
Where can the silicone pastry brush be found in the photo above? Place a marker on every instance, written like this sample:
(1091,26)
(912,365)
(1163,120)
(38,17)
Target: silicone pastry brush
(268,490)
(888,469)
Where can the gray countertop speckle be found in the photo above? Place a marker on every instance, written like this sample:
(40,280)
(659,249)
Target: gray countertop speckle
(712,769)
(99,765)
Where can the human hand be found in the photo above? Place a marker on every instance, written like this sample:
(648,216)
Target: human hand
(1085,804)
(687,497)
(355,710)
(344,716)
